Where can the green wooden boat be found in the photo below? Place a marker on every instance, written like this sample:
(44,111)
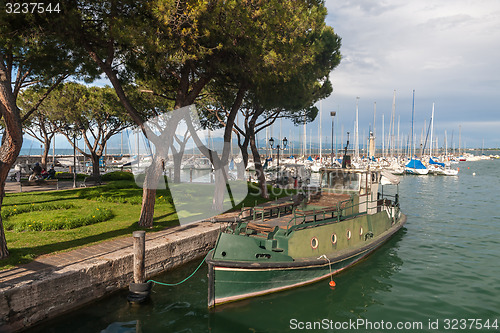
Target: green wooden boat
(293,242)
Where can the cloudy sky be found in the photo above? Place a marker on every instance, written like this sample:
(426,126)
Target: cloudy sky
(447,51)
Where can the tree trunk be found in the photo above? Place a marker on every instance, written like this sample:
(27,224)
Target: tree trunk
(95,165)
(153,175)
(244,153)
(4,251)
(220,190)
(46,149)
(177,168)
(148,207)
(177,156)
(12,142)
(258,166)
(241,167)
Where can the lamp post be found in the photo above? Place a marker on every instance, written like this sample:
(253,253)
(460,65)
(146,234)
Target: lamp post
(271,143)
(333,113)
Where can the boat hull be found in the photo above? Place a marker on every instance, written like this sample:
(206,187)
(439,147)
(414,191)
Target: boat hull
(236,280)
(413,171)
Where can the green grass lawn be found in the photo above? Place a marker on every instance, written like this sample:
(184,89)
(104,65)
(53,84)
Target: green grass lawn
(38,223)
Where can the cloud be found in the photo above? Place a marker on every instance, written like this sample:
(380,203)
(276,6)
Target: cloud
(447,51)
(448,22)
(368,6)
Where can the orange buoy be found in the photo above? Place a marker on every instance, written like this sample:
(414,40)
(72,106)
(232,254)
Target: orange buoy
(332,283)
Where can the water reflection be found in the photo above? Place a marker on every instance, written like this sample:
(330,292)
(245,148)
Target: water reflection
(441,265)
(184,308)
(357,289)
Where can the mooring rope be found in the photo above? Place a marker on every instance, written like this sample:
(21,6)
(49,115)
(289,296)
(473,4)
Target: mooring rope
(178,283)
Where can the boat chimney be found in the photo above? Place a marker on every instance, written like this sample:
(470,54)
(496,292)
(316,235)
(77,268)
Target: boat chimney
(346,160)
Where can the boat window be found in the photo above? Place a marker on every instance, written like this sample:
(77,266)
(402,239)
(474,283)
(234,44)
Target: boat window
(364,183)
(314,243)
(349,234)
(334,239)
(340,180)
(325,179)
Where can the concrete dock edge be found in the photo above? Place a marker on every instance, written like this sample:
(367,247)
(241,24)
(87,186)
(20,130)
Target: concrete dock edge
(54,290)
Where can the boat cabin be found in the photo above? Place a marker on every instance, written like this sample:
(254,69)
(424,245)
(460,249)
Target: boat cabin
(362,185)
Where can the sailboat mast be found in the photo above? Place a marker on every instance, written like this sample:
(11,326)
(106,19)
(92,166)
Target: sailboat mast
(398,151)
(374,135)
(267,141)
(305,138)
(320,150)
(383,138)
(432,130)
(459,140)
(393,116)
(310,141)
(412,116)
(445,146)
(356,139)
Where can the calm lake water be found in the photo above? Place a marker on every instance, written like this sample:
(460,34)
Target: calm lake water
(440,273)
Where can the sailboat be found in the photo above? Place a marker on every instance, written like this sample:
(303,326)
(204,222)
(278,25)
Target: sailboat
(441,169)
(415,166)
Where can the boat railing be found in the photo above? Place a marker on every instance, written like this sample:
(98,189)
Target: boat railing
(343,210)
(307,218)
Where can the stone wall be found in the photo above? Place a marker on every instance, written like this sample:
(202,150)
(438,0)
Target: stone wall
(53,293)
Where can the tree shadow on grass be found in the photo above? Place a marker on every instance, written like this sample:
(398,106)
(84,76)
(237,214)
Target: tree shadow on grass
(157,218)
(37,202)
(24,255)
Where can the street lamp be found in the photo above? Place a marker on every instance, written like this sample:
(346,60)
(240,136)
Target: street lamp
(271,143)
(333,113)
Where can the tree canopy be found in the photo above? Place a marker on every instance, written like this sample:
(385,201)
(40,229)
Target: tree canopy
(273,57)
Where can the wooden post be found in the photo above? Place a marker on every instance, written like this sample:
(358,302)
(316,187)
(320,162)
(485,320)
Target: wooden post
(139,251)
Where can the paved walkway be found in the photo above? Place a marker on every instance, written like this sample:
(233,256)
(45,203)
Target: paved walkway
(14,187)
(49,263)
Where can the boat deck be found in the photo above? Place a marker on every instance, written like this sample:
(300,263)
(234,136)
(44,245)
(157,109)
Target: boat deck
(280,214)
(326,202)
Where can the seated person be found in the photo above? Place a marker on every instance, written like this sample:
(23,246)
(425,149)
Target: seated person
(51,173)
(37,170)
(44,173)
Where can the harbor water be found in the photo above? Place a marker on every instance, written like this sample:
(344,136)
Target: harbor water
(440,273)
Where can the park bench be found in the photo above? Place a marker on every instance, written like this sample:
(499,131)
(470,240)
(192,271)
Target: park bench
(88,180)
(13,176)
(64,175)
(38,182)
